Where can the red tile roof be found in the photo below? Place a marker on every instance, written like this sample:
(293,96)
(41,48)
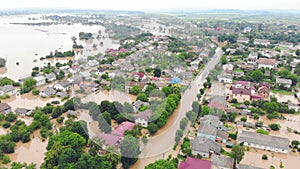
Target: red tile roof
(266,61)
(195,163)
(110,139)
(216,105)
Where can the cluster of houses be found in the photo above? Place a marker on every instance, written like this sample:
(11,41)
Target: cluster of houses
(6,108)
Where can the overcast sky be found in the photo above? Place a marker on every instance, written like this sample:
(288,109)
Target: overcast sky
(152,4)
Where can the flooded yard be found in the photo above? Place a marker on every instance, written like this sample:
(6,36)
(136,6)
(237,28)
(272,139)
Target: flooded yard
(2,131)
(92,125)
(254,158)
(28,101)
(285,98)
(113,95)
(31,152)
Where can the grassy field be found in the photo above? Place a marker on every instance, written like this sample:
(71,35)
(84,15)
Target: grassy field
(282,92)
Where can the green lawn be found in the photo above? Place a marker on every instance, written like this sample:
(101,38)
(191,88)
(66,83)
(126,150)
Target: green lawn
(282,92)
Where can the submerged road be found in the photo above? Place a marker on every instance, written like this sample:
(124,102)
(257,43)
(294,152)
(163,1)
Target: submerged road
(162,143)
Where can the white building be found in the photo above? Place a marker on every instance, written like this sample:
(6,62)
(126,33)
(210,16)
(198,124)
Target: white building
(7,89)
(265,142)
(40,80)
(62,86)
(143,118)
(225,78)
(266,63)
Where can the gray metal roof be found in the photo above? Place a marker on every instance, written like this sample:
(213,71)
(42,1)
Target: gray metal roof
(205,145)
(222,162)
(265,140)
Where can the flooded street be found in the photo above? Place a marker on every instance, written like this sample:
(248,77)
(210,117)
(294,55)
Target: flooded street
(31,152)
(2,131)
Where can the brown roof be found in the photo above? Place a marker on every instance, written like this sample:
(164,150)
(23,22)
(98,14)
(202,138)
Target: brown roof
(146,115)
(266,61)
(131,84)
(4,107)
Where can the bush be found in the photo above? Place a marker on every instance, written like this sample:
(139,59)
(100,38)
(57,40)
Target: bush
(35,92)
(244,119)
(6,124)
(5,96)
(264,157)
(261,131)
(274,127)
(2,117)
(5,159)
(60,119)
(233,135)
(10,117)
(234,101)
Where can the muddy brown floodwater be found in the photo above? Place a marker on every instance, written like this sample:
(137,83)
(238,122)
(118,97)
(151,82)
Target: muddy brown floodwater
(31,152)
(254,158)
(292,121)
(28,101)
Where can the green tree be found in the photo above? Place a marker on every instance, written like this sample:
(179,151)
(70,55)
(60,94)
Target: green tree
(112,155)
(167,90)
(270,107)
(274,127)
(67,138)
(298,52)
(56,112)
(61,75)
(191,115)
(129,150)
(142,97)
(196,107)
(157,72)
(237,153)
(104,122)
(35,92)
(223,60)
(135,90)
(152,128)
(52,155)
(11,117)
(67,156)
(162,164)
(257,75)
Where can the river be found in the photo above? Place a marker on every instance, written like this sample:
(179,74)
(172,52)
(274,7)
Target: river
(24,44)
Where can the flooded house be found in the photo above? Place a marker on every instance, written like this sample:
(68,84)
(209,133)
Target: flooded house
(50,77)
(7,90)
(4,108)
(265,142)
(62,86)
(205,147)
(40,80)
(23,111)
